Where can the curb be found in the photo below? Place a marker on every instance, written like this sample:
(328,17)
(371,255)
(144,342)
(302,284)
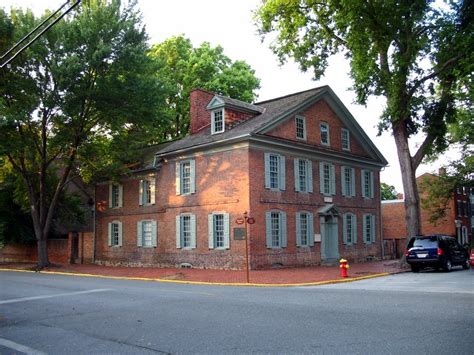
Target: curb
(317,283)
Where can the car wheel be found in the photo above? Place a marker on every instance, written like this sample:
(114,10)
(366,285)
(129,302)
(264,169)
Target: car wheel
(415,268)
(466,265)
(447,265)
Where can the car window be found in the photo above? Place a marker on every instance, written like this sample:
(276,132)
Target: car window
(426,243)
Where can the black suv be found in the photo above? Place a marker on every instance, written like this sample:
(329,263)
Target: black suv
(438,251)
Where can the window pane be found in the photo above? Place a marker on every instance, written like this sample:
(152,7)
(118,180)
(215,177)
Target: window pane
(368,229)
(186,231)
(302,166)
(186,177)
(275,222)
(219,230)
(274,174)
(115,195)
(324,133)
(304,228)
(345,139)
(115,234)
(349,228)
(300,131)
(147,234)
(348,181)
(218,121)
(327,178)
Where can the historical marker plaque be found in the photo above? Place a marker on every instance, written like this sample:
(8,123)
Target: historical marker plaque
(239,233)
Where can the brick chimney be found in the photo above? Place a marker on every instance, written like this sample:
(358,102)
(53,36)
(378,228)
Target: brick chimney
(200,116)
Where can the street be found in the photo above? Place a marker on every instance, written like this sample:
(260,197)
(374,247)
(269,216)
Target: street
(426,313)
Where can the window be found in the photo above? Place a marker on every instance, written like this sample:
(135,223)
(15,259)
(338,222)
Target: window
(217,121)
(218,229)
(275,229)
(350,229)
(345,139)
(274,171)
(115,195)
(303,175)
(348,181)
(300,127)
(369,228)
(115,234)
(324,127)
(367,181)
(460,208)
(186,231)
(185,177)
(327,178)
(146,234)
(147,192)
(304,229)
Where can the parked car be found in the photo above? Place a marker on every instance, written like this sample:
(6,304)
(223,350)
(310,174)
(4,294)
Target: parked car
(472,257)
(437,251)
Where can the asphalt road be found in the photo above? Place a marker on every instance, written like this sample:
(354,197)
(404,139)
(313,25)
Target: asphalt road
(426,313)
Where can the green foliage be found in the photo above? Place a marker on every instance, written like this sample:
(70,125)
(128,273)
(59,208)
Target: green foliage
(387,192)
(182,68)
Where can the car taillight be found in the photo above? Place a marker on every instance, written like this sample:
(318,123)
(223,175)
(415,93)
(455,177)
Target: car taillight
(440,251)
(407,252)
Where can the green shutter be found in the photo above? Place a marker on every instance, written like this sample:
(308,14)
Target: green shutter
(371,184)
(321,177)
(343,182)
(297,174)
(284,239)
(120,234)
(310,230)
(333,179)
(354,223)
(120,201)
(267,170)
(298,229)
(364,228)
(353,188)
(268,229)
(210,230)
(362,184)
(372,218)
(110,195)
(152,190)
(193,231)
(178,178)
(344,228)
(192,183)
(178,232)
(109,239)
(309,175)
(140,194)
(226,231)
(139,234)
(282,172)
(154,234)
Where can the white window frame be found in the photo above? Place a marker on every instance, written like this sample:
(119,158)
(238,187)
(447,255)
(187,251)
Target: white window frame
(146,196)
(327,183)
(345,139)
(367,182)
(300,126)
(181,178)
(276,237)
(271,175)
(214,243)
(214,112)
(306,178)
(115,241)
(348,185)
(349,229)
(306,240)
(368,228)
(141,241)
(115,195)
(180,237)
(324,128)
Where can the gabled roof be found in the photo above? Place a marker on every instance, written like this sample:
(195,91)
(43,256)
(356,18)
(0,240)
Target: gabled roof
(223,101)
(271,113)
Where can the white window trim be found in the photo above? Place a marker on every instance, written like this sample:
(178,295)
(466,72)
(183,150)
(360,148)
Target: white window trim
(354,229)
(332,178)
(310,229)
(304,127)
(343,181)
(141,194)
(309,175)
(120,195)
(179,237)
(120,234)
(281,172)
(154,233)
(367,194)
(320,133)
(211,231)
(348,148)
(213,112)
(178,178)
(372,230)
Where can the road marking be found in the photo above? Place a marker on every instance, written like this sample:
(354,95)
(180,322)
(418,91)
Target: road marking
(23,299)
(19,347)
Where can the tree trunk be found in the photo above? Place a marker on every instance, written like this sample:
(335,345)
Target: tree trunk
(412,201)
(43,259)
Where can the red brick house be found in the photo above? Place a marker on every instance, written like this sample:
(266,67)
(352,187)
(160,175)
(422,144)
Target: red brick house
(457,221)
(300,165)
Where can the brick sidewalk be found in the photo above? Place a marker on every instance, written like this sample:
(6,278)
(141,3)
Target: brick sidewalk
(273,276)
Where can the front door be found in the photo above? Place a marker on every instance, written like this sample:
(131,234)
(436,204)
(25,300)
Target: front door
(329,239)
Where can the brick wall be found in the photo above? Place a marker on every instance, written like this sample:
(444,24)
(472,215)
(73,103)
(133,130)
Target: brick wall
(57,252)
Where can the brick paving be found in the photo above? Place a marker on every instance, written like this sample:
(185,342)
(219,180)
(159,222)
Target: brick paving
(273,276)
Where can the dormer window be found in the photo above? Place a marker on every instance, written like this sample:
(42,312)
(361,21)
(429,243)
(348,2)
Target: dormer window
(217,121)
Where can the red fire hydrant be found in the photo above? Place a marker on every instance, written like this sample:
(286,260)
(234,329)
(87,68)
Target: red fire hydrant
(344,266)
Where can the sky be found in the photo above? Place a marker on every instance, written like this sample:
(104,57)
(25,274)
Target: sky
(230,24)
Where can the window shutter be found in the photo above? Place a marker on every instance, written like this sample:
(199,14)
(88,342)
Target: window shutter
(333,179)
(310,176)
(193,231)
(210,230)
(282,172)
(297,174)
(139,234)
(344,228)
(120,201)
(321,177)
(152,190)
(226,231)
(120,234)
(362,184)
(178,178)
(364,228)
(110,195)
(267,170)
(343,181)
(310,230)
(192,183)
(354,223)
(298,229)
(372,219)
(268,229)
(371,184)
(109,239)
(140,194)
(284,241)
(353,182)
(154,234)
(178,231)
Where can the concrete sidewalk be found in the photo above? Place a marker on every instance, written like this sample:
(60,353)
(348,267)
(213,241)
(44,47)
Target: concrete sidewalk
(273,277)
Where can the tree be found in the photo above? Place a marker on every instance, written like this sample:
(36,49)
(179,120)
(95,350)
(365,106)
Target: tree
(387,192)
(84,85)
(414,53)
(182,68)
